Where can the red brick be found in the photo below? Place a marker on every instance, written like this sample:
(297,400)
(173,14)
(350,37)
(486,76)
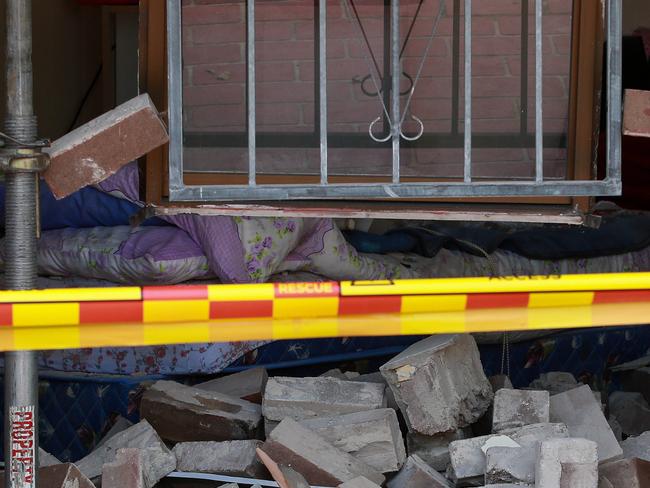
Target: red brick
(95,151)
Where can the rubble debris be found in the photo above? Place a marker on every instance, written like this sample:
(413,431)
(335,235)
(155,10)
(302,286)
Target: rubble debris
(567,462)
(182,413)
(120,425)
(98,149)
(273,468)
(231,458)
(434,450)
(377,377)
(317,460)
(510,465)
(468,462)
(604,483)
(532,435)
(303,398)
(60,476)
(500,381)
(333,373)
(373,437)
(158,462)
(418,474)
(125,471)
(555,382)
(581,413)
(248,385)
(506,485)
(46,459)
(616,427)
(498,441)
(439,383)
(626,473)
(269,425)
(637,447)
(513,409)
(359,482)
(293,478)
(631,410)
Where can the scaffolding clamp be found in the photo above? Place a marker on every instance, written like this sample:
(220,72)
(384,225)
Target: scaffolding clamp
(24,159)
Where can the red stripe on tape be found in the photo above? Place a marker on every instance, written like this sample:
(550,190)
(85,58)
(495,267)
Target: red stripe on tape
(306,290)
(497,300)
(178,292)
(621,296)
(110,312)
(244,309)
(6,314)
(369,305)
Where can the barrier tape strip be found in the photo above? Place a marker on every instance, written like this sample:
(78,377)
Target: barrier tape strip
(133,316)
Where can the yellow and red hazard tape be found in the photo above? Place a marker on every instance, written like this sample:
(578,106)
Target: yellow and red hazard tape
(133,316)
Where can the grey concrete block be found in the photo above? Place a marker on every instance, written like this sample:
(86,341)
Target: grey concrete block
(248,385)
(555,382)
(434,450)
(303,398)
(439,384)
(229,458)
(468,463)
(359,482)
(141,436)
(567,463)
(418,474)
(511,465)
(182,413)
(637,447)
(631,410)
(581,413)
(373,437)
(532,435)
(120,425)
(516,408)
(46,459)
(312,456)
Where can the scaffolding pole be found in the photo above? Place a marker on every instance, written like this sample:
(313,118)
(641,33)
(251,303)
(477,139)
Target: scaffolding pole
(21,180)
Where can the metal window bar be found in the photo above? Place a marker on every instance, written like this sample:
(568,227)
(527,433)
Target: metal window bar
(468,187)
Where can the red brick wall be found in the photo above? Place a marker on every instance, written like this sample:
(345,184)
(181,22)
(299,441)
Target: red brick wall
(215,74)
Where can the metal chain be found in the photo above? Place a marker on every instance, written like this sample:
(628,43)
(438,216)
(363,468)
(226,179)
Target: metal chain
(505,356)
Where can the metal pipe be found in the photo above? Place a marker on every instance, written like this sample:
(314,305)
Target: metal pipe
(467,153)
(250,96)
(396,72)
(21,375)
(322,87)
(539,76)
(614,87)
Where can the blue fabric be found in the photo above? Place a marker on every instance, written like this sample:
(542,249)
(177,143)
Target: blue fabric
(616,235)
(87,207)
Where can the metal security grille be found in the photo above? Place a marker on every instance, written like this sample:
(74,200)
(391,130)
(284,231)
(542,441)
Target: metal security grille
(388,130)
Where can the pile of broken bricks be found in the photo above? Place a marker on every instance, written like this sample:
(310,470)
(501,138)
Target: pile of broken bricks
(429,418)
